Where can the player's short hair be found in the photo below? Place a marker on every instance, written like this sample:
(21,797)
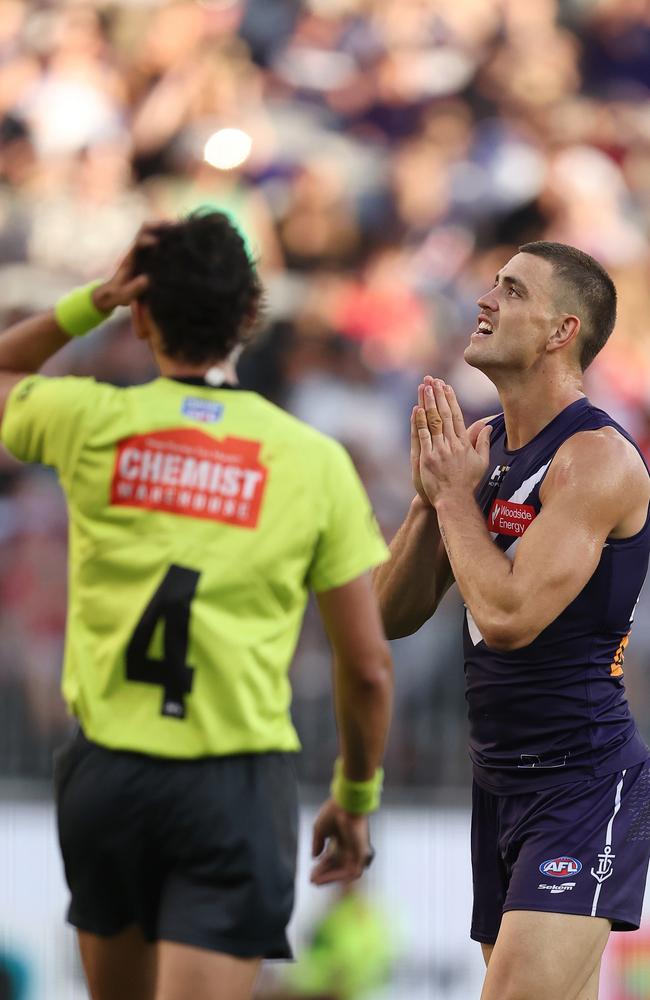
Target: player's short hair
(204,292)
(592,289)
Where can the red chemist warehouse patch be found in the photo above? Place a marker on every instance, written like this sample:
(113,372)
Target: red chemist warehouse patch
(508,518)
(187,472)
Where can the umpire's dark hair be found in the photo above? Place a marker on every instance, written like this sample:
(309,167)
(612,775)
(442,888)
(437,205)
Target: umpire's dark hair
(594,291)
(204,292)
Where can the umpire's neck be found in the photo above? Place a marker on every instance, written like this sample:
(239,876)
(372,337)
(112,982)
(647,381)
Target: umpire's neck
(215,371)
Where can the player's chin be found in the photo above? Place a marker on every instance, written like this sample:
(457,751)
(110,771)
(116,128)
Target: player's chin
(475,354)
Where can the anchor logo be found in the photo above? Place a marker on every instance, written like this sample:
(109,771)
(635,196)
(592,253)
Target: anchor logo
(605,866)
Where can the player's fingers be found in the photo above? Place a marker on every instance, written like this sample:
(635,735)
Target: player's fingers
(474,430)
(415,441)
(483,443)
(427,380)
(456,412)
(444,410)
(434,419)
(423,431)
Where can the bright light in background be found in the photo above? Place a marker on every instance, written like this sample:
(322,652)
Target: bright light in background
(228,148)
(218,5)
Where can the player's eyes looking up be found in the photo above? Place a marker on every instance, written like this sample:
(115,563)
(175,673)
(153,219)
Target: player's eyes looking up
(511,289)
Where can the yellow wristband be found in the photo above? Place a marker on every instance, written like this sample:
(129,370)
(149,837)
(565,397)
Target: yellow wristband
(358,797)
(76,313)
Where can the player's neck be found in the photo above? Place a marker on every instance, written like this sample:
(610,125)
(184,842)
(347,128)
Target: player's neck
(529,406)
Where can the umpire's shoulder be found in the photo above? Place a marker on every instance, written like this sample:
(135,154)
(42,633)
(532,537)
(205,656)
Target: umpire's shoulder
(59,394)
(292,429)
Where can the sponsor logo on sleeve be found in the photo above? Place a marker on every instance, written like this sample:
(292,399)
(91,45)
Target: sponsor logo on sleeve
(509,518)
(204,410)
(561,867)
(185,471)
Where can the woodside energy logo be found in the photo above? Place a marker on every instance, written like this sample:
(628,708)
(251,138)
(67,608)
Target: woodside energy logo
(187,472)
(509,518)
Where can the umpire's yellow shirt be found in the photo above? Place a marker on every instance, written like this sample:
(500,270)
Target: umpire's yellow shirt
(199,520)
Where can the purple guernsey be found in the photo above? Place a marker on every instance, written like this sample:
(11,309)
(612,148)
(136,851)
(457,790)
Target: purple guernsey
(554,711)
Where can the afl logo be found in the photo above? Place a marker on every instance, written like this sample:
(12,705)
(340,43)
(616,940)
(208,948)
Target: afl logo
(561,867)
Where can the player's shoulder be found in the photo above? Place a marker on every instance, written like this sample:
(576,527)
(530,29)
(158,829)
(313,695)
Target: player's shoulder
(602,448)
(603,458)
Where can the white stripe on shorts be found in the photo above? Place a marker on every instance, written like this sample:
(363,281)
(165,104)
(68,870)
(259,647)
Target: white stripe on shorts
(608,836)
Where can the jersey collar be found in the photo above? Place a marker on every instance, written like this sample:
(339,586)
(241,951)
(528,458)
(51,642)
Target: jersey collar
(199,380)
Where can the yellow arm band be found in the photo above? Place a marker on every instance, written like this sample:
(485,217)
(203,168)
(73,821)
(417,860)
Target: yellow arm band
(76,313)
(358,797)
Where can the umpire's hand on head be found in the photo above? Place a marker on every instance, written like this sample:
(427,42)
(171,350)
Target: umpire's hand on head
(124,285)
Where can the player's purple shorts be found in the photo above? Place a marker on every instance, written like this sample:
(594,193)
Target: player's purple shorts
(579,848)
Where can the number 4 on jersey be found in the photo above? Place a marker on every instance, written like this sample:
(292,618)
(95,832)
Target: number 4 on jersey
(171,606)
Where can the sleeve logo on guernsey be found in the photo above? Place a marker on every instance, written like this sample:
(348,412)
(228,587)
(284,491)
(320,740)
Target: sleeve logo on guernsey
(184,471)
(509,518)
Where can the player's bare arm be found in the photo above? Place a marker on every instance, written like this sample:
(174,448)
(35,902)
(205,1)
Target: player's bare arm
(26,346)
(411,585)
(363,697)
(597,487)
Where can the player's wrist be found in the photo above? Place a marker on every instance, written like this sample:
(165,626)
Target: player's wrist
(450,499)
(419,505)
(356,797)
(82,309)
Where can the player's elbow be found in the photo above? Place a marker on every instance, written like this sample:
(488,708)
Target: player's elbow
(401,618)
(508,634)
(399,628)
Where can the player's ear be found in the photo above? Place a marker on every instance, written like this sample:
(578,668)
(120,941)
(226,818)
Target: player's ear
(565,333)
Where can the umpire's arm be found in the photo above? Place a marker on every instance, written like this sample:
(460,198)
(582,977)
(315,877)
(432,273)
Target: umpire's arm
(27,345)
(363,691)
(363,680)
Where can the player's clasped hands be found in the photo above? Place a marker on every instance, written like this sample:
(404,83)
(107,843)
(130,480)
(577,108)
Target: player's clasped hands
(445,457)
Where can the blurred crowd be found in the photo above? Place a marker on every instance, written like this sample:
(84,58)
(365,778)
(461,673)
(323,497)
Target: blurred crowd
(390,155)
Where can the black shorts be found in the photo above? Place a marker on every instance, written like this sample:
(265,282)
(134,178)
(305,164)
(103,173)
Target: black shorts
(201,852)
(580,848)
